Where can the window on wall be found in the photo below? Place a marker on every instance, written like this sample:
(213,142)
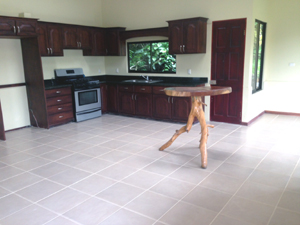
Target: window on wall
(150,57)
(258,55)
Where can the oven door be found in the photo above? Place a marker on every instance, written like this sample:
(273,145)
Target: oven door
(89,99)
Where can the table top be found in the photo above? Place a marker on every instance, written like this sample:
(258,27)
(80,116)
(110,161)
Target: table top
(197,91)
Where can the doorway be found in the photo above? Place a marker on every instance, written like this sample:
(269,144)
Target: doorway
(227,69)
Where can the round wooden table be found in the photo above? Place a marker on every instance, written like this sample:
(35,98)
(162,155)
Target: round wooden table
(196,111)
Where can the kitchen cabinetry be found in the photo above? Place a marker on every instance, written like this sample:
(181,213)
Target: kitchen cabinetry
(112,98)
(170,108)
(187,36)
(98,43)
(50,39)
(2,132)
(103,89)
(77,37)
(114,45)
(12,26)
(135,100)
(59,106)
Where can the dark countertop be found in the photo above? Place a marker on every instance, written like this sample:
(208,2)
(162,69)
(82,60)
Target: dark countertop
(117,79)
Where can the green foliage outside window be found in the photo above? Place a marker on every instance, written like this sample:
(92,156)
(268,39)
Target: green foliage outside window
(151,57)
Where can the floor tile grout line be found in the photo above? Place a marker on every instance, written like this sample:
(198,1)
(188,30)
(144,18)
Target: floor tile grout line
(180,200)
(219,213)
(285,188)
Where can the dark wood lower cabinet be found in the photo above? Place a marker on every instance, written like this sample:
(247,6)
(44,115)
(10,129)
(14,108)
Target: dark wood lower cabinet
(2,132)
(59,106)
(112,98)
(143,105)
(126,103)
(103,91)
(181,107)
(161,107)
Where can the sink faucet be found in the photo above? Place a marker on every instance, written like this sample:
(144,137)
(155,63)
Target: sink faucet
(145,77)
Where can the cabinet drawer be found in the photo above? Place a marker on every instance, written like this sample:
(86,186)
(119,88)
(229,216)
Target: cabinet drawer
(60,118)
(58,92)
(143,89)
(127,88)
(159,90)
(59,100)
(59,108)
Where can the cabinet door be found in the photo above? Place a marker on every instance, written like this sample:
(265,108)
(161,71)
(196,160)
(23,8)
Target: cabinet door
(70,37)
(112,100)
(99,42)
(55,40)
(175,37)
(103,89)
(126,103)
(7,27)
(43,39)
(26,28)
(143,105)
(181,107)
(112,42)
(190,40)
(84,37)
(161,107)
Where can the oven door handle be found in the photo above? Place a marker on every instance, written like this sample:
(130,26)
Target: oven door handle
(88,111)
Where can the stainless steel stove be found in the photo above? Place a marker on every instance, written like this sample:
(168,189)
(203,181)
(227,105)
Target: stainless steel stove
(87,95)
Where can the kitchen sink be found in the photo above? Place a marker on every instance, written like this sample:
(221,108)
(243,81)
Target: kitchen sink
(141,81)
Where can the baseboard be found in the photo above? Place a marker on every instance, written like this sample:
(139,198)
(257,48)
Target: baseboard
(270,112)
(251,121)
(283,113)
(19,128)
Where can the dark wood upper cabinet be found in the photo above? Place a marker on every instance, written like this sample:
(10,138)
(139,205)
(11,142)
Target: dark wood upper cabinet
(98,43)
(77,37)
(114,45)
(50,39)
(187,36)
(12,26)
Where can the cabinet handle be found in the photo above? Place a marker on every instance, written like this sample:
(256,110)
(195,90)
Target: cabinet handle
(125,88)
(135,97)
(59,108)
(172,100)
(106,51)
(51,51)
(143,89)
(132,96)
(161,90)
(59,100)
(48,51)
(80,44)
(14,29)
(168,99)
(183,48)
(180,48)
(19,30)
(60,117)
(58,92)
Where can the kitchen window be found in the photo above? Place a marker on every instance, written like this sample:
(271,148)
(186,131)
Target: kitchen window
(150,57)
(258,55)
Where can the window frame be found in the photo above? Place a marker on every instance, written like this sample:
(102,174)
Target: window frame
(255,60)
(147,72)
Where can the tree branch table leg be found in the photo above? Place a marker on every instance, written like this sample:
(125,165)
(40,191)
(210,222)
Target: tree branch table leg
(196,111)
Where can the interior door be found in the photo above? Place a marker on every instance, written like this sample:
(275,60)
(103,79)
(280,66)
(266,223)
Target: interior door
(227,69)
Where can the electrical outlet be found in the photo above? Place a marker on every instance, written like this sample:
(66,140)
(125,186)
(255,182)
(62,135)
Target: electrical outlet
(189,71)
(117,70)
(99,71)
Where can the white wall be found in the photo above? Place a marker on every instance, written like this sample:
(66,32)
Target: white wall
(282,48)
(13,100)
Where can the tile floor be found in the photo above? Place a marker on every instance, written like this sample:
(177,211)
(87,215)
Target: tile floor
(109,171)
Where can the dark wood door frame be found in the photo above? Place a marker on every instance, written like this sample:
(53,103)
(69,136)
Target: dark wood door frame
(227,68)
(2,132)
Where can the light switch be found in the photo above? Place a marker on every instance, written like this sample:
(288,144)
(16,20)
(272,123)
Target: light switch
(189,71)
(117,70)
